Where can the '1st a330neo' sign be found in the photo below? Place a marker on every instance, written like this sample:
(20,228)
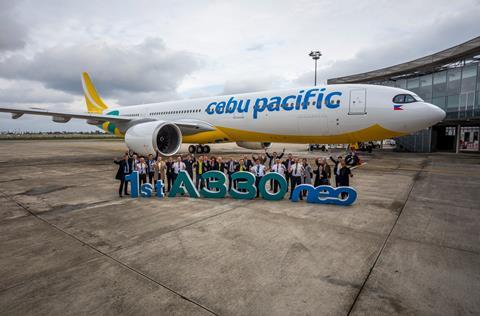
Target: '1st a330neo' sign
(216,187)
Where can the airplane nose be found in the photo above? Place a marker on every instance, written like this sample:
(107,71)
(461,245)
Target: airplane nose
(437,113)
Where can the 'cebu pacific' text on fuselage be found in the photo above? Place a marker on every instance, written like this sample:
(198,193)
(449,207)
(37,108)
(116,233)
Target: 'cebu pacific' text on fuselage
(301,101)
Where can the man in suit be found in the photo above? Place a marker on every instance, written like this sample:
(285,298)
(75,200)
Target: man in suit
(273,157)
(258,170)
(279,168)
(178,166)
(296,171)
(124,168)
(142,170)
(248,162)
(151,168)
(240,167)
(189,161)
(288,163)
(200,167)
(170,173)
(230,166)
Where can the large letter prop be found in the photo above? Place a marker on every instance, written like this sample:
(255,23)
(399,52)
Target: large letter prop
(183,184)
(216,186)
(325,194)
(245,189)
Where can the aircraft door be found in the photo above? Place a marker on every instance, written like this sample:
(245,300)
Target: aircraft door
(358,101)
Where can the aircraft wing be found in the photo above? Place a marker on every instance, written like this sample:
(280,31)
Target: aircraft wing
(188,127)
(63,117)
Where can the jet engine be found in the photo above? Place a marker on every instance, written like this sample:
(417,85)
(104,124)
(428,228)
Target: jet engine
(253,145)
(150,137)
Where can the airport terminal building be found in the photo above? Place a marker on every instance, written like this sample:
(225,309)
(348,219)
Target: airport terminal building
(449,79)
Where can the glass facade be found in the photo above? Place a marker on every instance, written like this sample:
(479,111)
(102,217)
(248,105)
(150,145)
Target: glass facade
(456,90)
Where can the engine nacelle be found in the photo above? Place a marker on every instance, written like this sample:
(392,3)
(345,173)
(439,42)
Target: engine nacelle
(254,145)
(150,137)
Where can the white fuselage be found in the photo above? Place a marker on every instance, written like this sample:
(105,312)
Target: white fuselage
(323,114)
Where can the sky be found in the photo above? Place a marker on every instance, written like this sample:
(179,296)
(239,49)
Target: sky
(150,51)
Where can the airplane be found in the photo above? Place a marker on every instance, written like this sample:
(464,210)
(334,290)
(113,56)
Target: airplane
(329,114)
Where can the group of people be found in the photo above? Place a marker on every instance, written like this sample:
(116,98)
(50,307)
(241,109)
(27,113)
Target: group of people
(295,170)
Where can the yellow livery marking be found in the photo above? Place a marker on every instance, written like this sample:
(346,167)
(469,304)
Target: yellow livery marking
(374,132)
(105,126)
(225,134)
(206,137)
(94,102)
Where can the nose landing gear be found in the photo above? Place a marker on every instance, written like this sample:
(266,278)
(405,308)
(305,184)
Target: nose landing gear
(199,149)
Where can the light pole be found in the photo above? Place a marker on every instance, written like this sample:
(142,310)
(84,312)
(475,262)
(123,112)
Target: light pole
(315,56)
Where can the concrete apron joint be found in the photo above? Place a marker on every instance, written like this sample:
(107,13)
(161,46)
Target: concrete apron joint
(415,178)
(37,216)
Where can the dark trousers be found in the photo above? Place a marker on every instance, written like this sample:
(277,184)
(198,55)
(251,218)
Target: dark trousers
(150,177)
(143,178)
(257,185)
(275,186)
(230,181)
(169,181)
(295,181)
(123,187)
(287,177)
(190,173)
(343,183)
(199,183)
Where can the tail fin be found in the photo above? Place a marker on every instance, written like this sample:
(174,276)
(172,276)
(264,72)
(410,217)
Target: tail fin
(93,100)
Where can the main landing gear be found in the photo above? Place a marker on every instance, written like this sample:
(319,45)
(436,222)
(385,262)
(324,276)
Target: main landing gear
(199,149)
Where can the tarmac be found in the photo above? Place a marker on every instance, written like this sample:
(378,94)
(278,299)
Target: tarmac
(410,245)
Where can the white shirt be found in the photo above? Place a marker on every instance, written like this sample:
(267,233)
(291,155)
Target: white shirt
(150,164)
(297,169)
(278,168)
(141,168)
(135,164)
(178,166)
(258,170)
(231,166)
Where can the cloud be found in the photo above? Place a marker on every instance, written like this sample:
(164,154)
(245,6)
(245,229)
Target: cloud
(213,47)
(148,68)
(13,35)
(251,85)
(19,92)
(448,30)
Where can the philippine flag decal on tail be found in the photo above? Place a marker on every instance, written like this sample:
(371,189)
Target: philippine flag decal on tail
(397,107)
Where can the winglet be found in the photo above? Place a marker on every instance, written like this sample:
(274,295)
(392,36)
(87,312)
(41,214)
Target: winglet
(93,100)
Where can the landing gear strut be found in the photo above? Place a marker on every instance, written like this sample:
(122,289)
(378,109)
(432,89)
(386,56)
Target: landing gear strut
(199,149)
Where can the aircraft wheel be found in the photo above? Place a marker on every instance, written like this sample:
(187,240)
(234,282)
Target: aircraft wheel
(206,149)
(200,149)
(192,149)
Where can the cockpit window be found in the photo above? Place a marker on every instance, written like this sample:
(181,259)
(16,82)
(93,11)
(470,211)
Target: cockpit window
(417,98)
(405,98)
(399,98)
(409,98)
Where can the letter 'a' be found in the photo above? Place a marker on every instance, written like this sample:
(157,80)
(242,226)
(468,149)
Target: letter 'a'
(183,184)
